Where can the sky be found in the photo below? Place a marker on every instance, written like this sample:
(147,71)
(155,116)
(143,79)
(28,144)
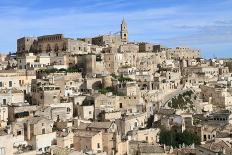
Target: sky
(201,24)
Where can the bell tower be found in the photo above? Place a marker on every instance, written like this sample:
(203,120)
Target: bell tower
(124,31)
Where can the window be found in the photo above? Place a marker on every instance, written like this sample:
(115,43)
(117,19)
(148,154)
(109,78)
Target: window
(4,101)
(135,124)
(19,133)
(10,83)
(120,105)
(0,84)
(204,137)
(64,47)
(68,109)
(98,145)
(43,131)
(56,47)
(90,112)
(48,48)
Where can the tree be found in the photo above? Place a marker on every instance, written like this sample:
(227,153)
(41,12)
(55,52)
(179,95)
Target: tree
(174,138)
(62,70)
(73,69)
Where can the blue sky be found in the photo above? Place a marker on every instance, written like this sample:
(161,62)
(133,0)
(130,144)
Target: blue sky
(203,24)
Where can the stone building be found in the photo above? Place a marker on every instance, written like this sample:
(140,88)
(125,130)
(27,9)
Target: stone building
(132,122)
(205,132)
(65,139)
(106,40)
(20,112)
(6,143)
(140,148)
(32,61)
(24,45)
(182,53)
(214,148)
(48,43)
(39,133)
(85,111)
(145,47)
(149,136)
(88,141)
(130,47)
(113,61)
(113,38)
(18,134)
(217,96)
(11,96)
(62,60)
(19,79)
(44,93)
(207,71)
(57,112)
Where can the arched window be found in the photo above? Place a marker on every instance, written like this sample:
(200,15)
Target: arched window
(56,47)
(64,47)
(120,105)
(48,48)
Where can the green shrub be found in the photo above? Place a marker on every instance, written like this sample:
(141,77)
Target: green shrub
(174,138)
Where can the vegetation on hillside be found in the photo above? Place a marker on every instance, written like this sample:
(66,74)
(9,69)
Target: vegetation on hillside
(110,89)
(182,101)
(175,139)
(62,70)
(121,78)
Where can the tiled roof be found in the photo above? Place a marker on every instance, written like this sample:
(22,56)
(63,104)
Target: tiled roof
(218,146)
(34,120)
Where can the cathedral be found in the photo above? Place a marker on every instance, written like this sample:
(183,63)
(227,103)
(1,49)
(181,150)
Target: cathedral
(59,43)
(113,38)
